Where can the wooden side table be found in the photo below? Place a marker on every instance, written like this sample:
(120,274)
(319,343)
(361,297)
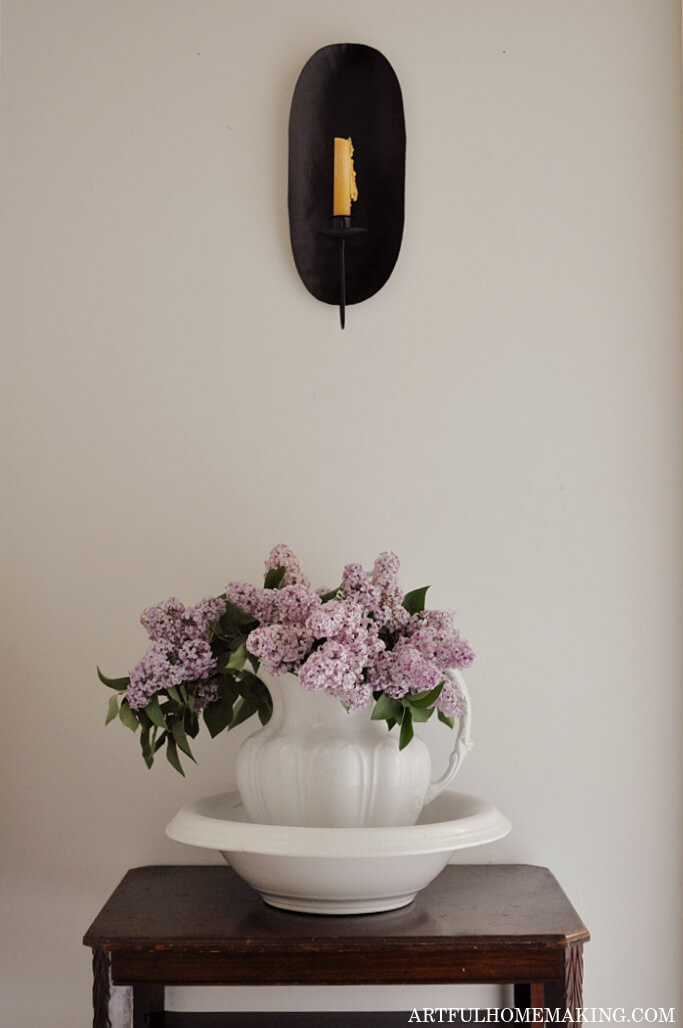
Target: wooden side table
(192,925)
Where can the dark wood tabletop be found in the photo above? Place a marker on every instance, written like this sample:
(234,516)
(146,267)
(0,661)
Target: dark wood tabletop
(194,925)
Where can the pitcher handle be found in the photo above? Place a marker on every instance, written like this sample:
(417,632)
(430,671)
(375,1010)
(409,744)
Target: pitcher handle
(462,744)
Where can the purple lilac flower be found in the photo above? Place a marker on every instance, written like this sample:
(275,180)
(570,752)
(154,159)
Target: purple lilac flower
(404,670)
(337,670)
(385,577)
(393,617)
(165,665)
(345,622)
(244,595)
(253,599)
(434,635)
(335,618)
(296,604)
(350,633)
(465,656)
(290,604)
(180,651)
(282,557)
(380,676)
(440,649)
(421,673)
(280,647)
(356,694)
(156,671)
(164,621)
(357,586)
(357,698)
(330,668)
(195,660)
(382,594)
(459,653)
(173,622)
(206,612)
(451,701)
(364,642)
(438,620)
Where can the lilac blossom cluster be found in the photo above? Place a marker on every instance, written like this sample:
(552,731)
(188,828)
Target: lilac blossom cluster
(363,641)
(180,652)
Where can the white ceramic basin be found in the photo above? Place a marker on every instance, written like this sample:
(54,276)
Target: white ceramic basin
(339,870)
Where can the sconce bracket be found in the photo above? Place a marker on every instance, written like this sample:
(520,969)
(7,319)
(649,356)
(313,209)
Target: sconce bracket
(346,89)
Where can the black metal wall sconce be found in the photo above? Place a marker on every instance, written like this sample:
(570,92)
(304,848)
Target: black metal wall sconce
(346,173)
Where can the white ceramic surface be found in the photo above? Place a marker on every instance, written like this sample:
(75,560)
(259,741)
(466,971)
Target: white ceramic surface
(317,765)
(339,870)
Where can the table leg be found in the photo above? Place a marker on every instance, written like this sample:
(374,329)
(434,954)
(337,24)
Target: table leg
(522,995)
(568,994)
(112,1004)
(100,989)
(147,999)
(564,995)
(530,997)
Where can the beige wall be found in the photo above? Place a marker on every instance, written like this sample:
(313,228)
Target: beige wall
(505,414)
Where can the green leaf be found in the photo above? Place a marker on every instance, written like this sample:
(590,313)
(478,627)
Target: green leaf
(191,724)
(244,710)
(128,716)
(265,713)
(223,661)
(273,578)
(113,710)
(229,685)
(174,694)
(421,714)
(386,708)
(237,658)
(178,733)
(331,595)
(120,684)
(153,711)
(147,750)
(172,755)
(450,721)
(256,695)
(235,621)
(226,655)
(251,684)
(414,601)
(217,716)
(264,705)
(427,699)
(143,719)
(406,728)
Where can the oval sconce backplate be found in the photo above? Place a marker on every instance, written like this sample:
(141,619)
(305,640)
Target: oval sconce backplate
(344,91)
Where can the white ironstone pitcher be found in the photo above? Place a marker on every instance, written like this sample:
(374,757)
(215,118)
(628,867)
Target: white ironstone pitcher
(317,765)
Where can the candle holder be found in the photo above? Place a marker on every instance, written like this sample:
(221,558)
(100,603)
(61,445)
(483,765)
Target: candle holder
(346,90)
(342,229)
